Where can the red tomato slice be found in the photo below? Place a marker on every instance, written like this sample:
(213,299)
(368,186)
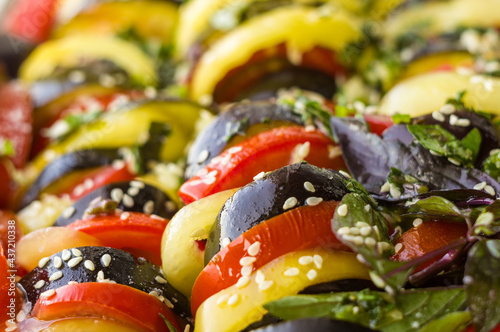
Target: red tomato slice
(136,233)
(8,186)
(81,183)
(265,151)
(427,237)
(378,123)
(9,232)
(113,301)
(16,117)
(301,228)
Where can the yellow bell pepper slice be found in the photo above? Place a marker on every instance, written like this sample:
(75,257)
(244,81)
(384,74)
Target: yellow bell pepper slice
(235,308)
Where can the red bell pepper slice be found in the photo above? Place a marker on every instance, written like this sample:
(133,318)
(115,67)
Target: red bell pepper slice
(266,151)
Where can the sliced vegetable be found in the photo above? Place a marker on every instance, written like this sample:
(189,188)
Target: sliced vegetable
(314,324)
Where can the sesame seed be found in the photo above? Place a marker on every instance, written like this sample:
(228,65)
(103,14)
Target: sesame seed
(233,299)
(74,261)
(259,277)
(225,242)
(370,242)
(265,285)
(309,128)
(454,161)
(160,280)
(290,203)
(398,247)
(394,191)
(355,310)
(259,176)
(11,328)
(361,259)
(490,190)
(68,212)
(309,186)
(384,245)
(88,184)
(348,238)
(56,275)
(254,249)
(377,280)
(222,299)
(100,276)
(361,224)
(468,280)
(43,261)
(247,270)
(202,156)
(66,254)
(234,149)
(305,260)
(198,233)
(463,122)
(447,109)
(247,260)
(116,194)
(358,240)
(354,230)
(417,222)
(453,119)
(89,265)
(434,153)
(318,261)
(312,201)
(291,272)
(300,152)
(154,293)
(438,116)
(157,217)
(344,230)
(21,316)
(133,191)
(149,207)
(345,174)
(480,185)
(105,260)
(137,184)
(124,216)
(415,325)
(128,201)
(48,293)
(343,210)
(365,231)
(367,207)
(187,328)
(312,274)
(39,284)
(169,304)
(118,164)
(76,252)
(57,262)
(242,282)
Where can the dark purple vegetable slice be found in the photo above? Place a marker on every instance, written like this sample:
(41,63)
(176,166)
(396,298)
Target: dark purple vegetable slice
(314,324)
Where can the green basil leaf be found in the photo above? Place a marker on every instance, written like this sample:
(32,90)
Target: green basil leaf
(6,148)
(455,321)
(436,207)
(472,142)
(488,222)
(491,165)
(482,284)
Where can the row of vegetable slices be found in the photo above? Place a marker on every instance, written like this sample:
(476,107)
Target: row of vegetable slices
(250,166)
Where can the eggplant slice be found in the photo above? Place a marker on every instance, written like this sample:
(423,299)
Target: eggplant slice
(314,324)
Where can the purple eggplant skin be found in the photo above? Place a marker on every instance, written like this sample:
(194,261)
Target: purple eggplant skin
(66,164)
(369,159)
(343,285)
(148,193)
(123,269)
(234,121)
(265,197)
(314,324)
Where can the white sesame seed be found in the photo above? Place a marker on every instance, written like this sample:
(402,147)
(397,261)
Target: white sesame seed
(169,304)
(290,203)
(116,194)
(345,174)
(198,233)
(343,210)
(254,249)
(291,272)
(223,299)
(377,280)
(453,119)
(66,254)
(105,260)
(415,325)
(21,315)
(157,217)
(68,212)
(247,270)
(39,284)
(355,310)
(358,240)
(137,184)
(259,176)
(133,191)
(202,156)
(384,246)
(74,261)
(160,280)
(394,191)
(187,328)
(398,247)
(56,275)
(149,207)
(234,149)
(225,242)
(434,153)
(367,207)
(365,231)
(11,328)
(312,201)
(480,185)
(468,280)
(370,242)
(447,109)
(354,230)
(344,230)
(57,262)
(490,190)
(242,282)
(118,164)
(43,261)
(124,215)
(154,293)
(417,222)
(309,186)
(76,252)
(259,277)
(247,260)
(362,224)
(89,265)
(100,276)
(454,161)
(305,260)
(309,128)
(300,152)
(312,274)
(265,285)
(128,201)
(463,122)
(88,184)
(233,299)
(438,116)
(48,293)
(318,261)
